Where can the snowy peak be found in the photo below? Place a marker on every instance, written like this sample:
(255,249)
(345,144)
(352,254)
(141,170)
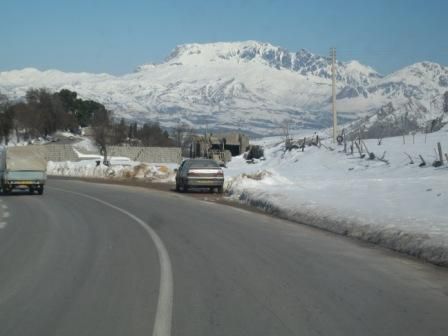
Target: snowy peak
(303,62)
(248,84)
(420,80)
(418,72)
(351,73)
(226,51)
(395,119)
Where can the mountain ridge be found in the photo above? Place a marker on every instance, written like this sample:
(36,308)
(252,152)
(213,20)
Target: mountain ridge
(249,85)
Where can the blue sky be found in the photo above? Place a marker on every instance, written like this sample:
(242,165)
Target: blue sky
(116,36)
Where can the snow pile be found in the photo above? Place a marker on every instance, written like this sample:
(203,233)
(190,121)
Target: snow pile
(395,204)
(89,168)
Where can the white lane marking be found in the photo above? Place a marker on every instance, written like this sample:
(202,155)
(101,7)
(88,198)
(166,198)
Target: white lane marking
(4,206)
(162,322)
(3,225)
(6,214)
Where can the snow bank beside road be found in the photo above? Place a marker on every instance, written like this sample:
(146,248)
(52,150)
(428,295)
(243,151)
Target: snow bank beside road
(397,205)
(89,168)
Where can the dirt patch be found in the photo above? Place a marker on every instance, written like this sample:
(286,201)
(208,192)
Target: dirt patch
(202,194)
(164,169)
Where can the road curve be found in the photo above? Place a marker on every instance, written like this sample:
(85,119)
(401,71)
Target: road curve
(74,265)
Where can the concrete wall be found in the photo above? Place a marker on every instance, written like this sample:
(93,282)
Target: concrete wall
(148,154)
(56,152)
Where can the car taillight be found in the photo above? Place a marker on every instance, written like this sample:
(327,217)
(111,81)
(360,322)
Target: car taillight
(192,174)
(219,174)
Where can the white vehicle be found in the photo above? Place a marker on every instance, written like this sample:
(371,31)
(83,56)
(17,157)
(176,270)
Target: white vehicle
(22,168)
(119,161)
(112,160)
(199,173)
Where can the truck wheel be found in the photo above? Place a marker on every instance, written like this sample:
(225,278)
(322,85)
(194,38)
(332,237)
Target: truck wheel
(40,191)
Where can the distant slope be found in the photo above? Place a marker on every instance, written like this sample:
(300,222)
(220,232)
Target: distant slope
(248,85)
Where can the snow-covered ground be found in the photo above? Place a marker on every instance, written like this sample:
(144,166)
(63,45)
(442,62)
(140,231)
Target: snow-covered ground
(88,168)
(397,204)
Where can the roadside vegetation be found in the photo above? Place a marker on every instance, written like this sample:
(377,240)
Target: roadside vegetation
(42,113)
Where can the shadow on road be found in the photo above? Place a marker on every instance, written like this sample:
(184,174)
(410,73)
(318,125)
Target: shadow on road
(19,193)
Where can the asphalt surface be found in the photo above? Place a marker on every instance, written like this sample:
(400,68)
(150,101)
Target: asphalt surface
(92,264)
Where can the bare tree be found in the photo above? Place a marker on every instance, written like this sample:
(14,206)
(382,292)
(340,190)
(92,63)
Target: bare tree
(119,132)
(183,135)
(3,100)
(24,120)
(6,119)
(102,132)
(45,113)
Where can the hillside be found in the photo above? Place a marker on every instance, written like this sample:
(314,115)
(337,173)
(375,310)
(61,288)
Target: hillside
(248,85)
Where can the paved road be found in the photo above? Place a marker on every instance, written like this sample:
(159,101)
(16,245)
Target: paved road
(71,264)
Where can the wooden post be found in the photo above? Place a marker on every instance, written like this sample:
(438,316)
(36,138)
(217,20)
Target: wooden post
(439,148)
(365,146)
(423,161)
(359,150)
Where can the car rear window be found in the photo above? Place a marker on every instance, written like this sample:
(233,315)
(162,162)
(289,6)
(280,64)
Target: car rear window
(203,164)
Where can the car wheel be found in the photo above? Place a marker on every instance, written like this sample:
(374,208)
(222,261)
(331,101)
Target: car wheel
(220,190)
(177,187)
(184,187)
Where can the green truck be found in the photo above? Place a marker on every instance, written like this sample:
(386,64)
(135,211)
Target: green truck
(22,168)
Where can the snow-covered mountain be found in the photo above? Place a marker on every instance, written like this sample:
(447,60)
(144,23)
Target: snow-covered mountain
(248,85)
(422,81)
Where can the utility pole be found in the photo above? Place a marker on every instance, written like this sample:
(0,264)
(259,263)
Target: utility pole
(333,88)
